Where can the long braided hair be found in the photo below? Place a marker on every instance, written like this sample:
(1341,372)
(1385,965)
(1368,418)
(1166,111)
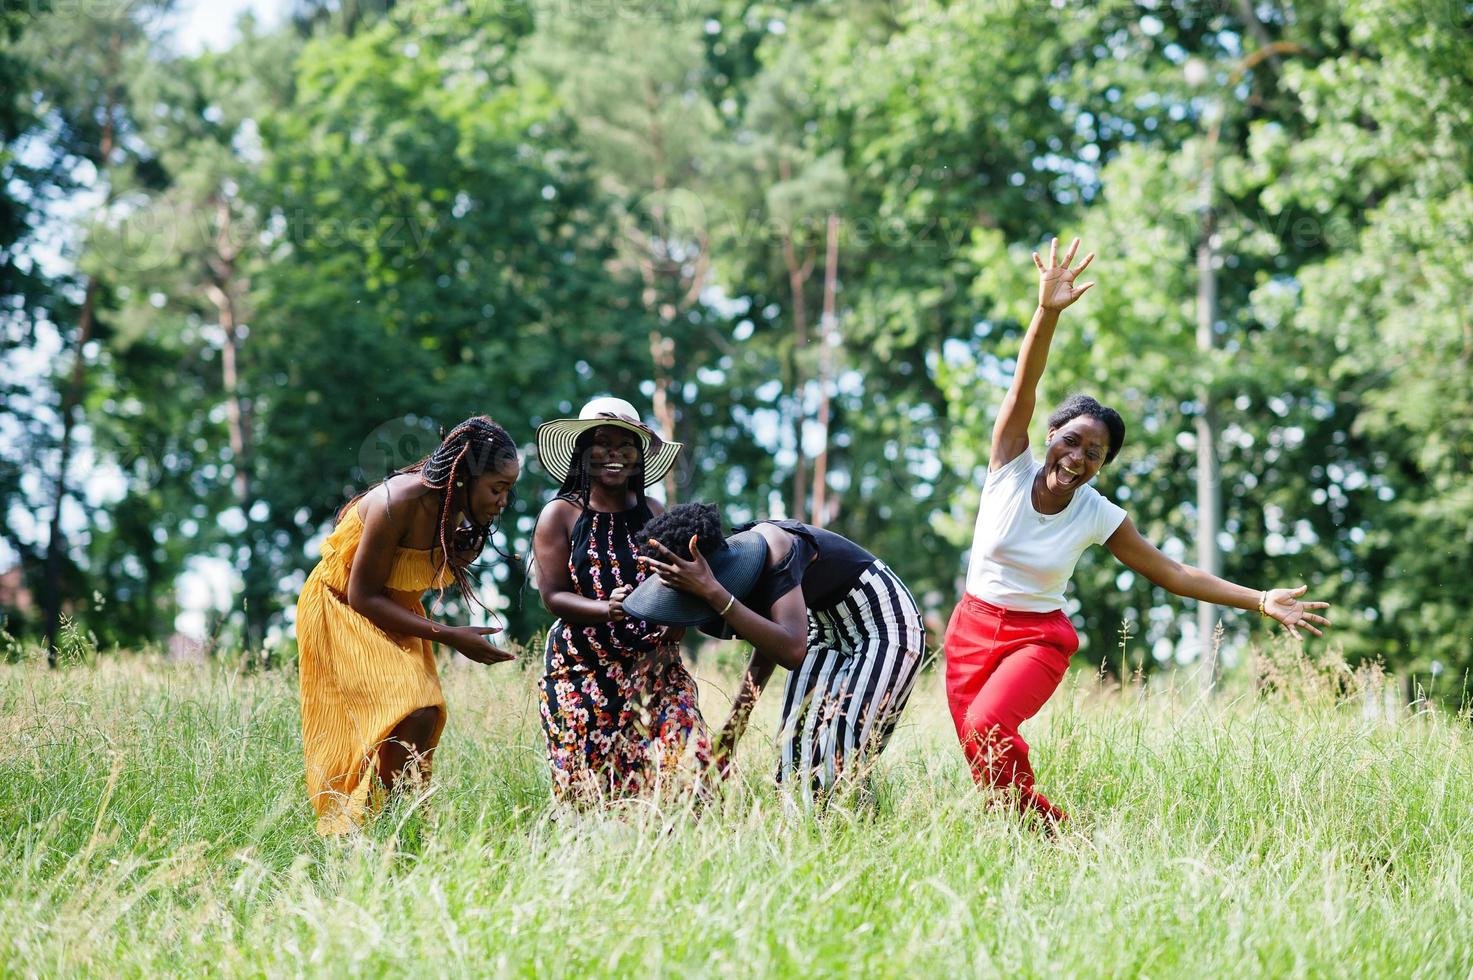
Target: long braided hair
(474,447)
(578,484)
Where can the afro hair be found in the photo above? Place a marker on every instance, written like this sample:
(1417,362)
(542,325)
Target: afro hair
(676,526)
(1077,405)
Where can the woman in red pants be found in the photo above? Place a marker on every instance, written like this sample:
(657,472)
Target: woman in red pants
(1009,642)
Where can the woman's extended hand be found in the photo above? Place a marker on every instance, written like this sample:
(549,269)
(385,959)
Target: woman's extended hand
(721,760)
(669,634)
(471,641)
(723,748)
(1056,281)
(1284,605)
(691,575)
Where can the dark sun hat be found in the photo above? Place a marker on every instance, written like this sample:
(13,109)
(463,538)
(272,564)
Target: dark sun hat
(557,440)
(736,565)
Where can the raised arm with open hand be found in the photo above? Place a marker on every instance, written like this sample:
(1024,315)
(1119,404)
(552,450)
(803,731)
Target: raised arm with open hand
(1056,291)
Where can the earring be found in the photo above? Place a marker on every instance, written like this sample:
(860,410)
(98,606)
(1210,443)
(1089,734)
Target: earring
(460,483)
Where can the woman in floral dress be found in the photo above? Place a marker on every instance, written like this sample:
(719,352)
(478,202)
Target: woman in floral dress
(619,709)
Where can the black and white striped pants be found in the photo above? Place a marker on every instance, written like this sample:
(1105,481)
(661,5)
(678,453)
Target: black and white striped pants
(841,706)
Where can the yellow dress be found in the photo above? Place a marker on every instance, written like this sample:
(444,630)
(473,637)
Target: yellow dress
(357,681)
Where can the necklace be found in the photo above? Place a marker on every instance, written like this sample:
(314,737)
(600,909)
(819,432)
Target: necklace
(1037,511)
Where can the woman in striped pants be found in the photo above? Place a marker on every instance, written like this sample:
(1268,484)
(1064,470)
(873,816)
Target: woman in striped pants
(807,599)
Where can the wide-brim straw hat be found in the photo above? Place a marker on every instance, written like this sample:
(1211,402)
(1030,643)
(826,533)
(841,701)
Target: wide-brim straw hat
(736,565)
(557,440)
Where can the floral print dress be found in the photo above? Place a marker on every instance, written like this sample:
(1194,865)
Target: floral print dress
(619,709)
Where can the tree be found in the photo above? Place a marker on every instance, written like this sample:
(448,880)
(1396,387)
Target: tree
(345,17)
(182,253)
(434,253)
(647,125)
(946,130)
(778,193)
(27,293)
(84,98)
(1382,165)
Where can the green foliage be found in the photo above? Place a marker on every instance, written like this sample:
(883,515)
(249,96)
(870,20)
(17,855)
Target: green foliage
(444,209)
(25,290)
(1393,113)
(433,252)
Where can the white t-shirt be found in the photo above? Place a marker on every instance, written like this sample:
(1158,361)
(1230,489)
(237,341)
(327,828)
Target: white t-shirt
(1022,559)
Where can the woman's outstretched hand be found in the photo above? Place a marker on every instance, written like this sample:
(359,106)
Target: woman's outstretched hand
(1056,288)
(691,575)
(472,642)
(1284,605)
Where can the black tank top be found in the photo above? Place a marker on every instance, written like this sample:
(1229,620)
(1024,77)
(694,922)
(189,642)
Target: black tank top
(601,557)
(825,564)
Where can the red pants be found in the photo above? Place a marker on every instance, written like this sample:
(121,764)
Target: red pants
(1001,667)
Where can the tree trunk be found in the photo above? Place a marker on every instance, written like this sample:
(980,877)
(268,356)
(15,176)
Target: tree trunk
(798,274)
(223,290)
(1209,480)
(662,353)
(660,265)
(72,399)
(71,404)
(828,337)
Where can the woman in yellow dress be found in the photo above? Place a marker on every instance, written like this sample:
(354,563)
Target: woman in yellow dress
(371,701)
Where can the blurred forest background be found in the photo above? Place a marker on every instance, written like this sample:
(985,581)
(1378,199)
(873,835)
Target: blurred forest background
(238,286)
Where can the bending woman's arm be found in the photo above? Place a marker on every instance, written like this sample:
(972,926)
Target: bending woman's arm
(754,679)
(783,638)
(1140,555)
(369,575)
(1056,291)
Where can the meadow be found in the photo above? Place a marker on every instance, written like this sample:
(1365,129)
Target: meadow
(153,819)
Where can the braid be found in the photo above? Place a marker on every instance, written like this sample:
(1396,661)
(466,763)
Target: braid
(453,478)
(474,447)
(578,484)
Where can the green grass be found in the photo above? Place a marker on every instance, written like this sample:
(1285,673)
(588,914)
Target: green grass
(153,818)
